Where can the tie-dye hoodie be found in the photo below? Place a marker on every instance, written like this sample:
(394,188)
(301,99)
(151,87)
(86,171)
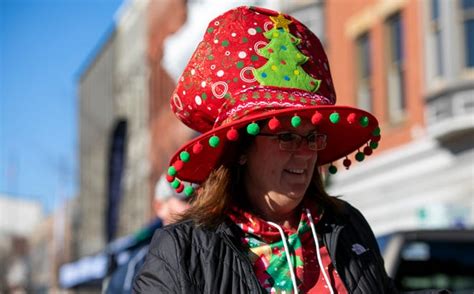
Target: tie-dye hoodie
(269,258)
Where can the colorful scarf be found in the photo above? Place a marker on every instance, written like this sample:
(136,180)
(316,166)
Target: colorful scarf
(268,256)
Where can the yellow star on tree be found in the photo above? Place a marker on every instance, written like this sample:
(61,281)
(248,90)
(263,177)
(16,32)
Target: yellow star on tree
(281,22)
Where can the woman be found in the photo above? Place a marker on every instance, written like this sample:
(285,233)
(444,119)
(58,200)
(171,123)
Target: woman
(259,89)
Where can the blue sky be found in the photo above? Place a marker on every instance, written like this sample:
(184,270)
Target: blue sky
(44,44)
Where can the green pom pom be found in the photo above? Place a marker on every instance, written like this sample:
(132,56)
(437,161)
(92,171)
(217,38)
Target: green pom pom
(376,132)
(296,121)
(332,169)
(364,121)
(360,156)
(175,183)
(334,117)
(374,145)
(214,141)
(184,155)
(188,191)
(172,171)
(253,129)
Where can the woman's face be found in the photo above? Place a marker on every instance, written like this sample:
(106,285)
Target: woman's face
(278,178)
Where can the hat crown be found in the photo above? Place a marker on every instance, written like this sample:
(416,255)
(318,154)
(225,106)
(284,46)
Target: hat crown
(246,54)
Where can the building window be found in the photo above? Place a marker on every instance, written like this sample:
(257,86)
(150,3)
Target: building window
(435,31)
(364,72)
(395,68)
(467,15)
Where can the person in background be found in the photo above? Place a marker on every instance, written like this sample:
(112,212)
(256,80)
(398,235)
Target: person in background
(259,89)
(129,254)
(168,204)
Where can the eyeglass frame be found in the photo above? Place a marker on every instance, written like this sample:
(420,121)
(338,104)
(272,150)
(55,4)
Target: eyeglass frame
(298,141)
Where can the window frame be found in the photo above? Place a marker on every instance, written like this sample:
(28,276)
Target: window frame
(395,72)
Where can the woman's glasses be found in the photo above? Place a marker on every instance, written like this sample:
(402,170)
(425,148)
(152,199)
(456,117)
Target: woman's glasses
(292,141)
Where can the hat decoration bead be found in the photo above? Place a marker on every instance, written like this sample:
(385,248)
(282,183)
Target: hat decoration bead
(214,141)
(360,156)
(296,121)
(178,165)
(172,171)
(253,129)
(232,134)
(180,188)
(376,132)
(175,183)
(332,169)
(373,145)
(351,118)
(184,155)
(367,150)
(273,124)
(188,191)
(347,163)
(334,117)
(197,148)
(316,118)
(364,121)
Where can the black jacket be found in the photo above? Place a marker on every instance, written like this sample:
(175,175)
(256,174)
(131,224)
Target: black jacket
(184,258)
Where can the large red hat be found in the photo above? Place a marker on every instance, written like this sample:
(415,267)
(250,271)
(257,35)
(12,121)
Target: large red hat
(256,64)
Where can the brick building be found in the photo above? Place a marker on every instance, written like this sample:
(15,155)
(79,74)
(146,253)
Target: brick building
(410,63)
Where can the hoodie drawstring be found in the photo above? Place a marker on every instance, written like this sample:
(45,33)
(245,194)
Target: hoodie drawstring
(288,259)
(318,254)
(315,237)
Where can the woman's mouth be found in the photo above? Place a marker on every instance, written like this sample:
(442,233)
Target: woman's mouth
(294,171)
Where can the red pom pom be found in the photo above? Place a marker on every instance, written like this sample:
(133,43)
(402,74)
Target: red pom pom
(367,150)
(178,165)
(316,118)
(197,148)
(351,118)
(274,124)
(375,138)
(169,178)
(232,134)
(347,163)
(180,188)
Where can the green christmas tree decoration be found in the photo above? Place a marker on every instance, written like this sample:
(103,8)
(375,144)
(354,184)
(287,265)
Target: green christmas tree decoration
(334,117)
(214,141)
(188,191)
(332,169)
(364,121)
(253,129)
(283,68)
(296,121)
(172,171)
(184,155)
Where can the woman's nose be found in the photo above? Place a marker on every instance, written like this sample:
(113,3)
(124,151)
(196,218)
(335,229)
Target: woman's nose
(304,151)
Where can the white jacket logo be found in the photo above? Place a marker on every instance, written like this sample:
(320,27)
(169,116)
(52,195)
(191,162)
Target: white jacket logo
(358,249)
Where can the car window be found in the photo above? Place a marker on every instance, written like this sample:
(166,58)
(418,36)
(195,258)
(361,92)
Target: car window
(436,264)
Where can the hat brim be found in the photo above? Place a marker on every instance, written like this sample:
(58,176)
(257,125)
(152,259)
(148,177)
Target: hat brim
(343,138)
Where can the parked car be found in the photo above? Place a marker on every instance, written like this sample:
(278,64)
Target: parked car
(425,259)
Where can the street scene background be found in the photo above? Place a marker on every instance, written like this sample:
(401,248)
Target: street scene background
(70,196)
